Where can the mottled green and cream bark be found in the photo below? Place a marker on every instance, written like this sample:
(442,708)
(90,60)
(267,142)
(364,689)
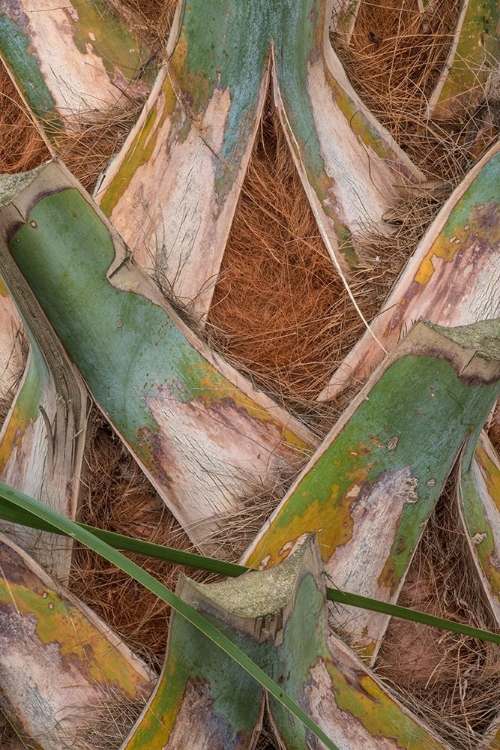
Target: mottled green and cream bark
(279,618)
(200,431)
(452,279)
(344,16)
(369,490)
(492,736)
(11,333)
(473,60)
(62,669)
(351,168)
(71,59)
(478,494)
(173,189)
(478,497)
(43,435)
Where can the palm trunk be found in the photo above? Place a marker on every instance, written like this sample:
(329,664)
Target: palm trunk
(62,669)
(369,490)
(201,433)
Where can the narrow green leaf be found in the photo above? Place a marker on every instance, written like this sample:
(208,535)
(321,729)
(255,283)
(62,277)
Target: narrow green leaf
(9,511)
(208,629)
(364,602)
(279,617)
(188,419)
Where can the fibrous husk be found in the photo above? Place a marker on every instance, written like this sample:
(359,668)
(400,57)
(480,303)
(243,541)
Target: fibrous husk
(297,321)
(394,60)
(118,497)
(281,311)
(451,681)
(21,146)
(150,20)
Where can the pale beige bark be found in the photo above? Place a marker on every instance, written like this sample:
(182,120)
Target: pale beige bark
(452,279)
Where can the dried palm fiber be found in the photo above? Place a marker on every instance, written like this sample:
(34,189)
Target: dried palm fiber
(21,146)
(451,681)
(297,322)
(394,60)
(267,739)
(110,725)
(87,147)
(86,151)
(118,497)
(94,138)
(280,311)
(8,737)
(144,515)
(150,20)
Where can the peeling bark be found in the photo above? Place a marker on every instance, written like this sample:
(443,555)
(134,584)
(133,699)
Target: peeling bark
(368,491)
(70,59)
(43,436)
(173,189)
(199,430)
(278,617)
(11,359)
(351,168)
(452,279)
(473,60)
(478,499)
(60,665)
(478,495)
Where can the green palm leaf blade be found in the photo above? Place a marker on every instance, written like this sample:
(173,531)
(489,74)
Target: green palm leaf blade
(478,496)
(473,62)
(369,490)
(10,512)
(200,123)
(278,617)
(199,430)
(70,60)
(452,279)
(214,633)
(43,435)
(61,667)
